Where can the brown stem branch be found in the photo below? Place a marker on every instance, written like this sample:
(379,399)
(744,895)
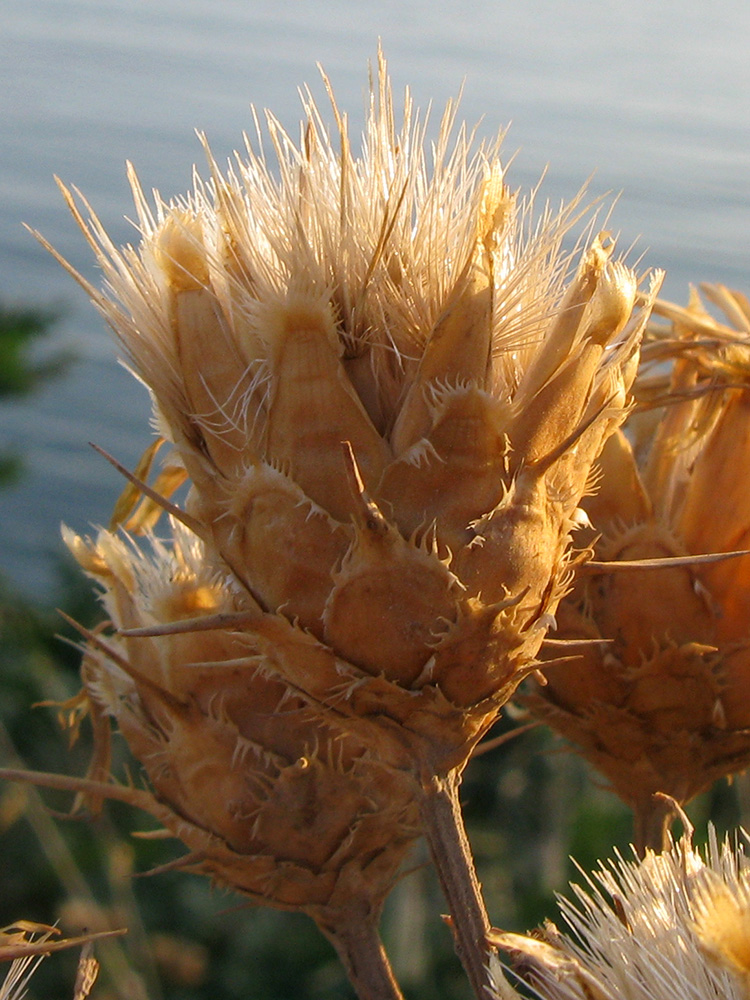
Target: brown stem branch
(451,855)
(357,941)
(652,821)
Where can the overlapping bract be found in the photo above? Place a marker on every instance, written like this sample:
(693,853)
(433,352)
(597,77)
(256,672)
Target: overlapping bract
(663,705)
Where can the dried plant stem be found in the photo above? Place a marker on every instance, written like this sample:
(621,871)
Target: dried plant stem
(451,854)
(358,945)
(128,983)
(652,821)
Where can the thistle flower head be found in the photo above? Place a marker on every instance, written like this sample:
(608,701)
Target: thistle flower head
(675,924)
(663,705)
(269,799)
(387,391)
(387,384)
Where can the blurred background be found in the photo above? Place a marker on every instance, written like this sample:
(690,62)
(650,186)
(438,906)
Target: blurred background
(652,99)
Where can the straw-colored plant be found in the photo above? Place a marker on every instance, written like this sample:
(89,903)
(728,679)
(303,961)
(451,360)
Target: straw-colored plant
(387,385)
(662,706)
(26,943)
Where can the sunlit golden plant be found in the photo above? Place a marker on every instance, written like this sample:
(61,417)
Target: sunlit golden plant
(664,705)
(387,384)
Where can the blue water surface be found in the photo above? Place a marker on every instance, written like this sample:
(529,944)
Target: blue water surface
(652,98)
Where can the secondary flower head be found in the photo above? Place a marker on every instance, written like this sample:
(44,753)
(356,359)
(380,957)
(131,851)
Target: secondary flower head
(663,705)
(270,799)
(675,924)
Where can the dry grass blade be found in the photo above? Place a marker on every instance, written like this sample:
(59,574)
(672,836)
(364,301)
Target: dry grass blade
(25,943)
(15,940)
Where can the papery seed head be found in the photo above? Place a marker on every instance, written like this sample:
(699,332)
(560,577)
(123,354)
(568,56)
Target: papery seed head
(664,926)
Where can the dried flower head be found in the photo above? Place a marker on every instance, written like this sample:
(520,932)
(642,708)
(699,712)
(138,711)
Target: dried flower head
(387,404)
(671,925)
(663,705)
(387,390)
(271,800)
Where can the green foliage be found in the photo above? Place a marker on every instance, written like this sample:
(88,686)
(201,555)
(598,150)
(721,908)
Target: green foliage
(19,328)
(19,373)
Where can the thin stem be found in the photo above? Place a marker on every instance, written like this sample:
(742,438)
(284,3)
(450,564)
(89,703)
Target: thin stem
(652,821)
(355,937)
(451,855)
